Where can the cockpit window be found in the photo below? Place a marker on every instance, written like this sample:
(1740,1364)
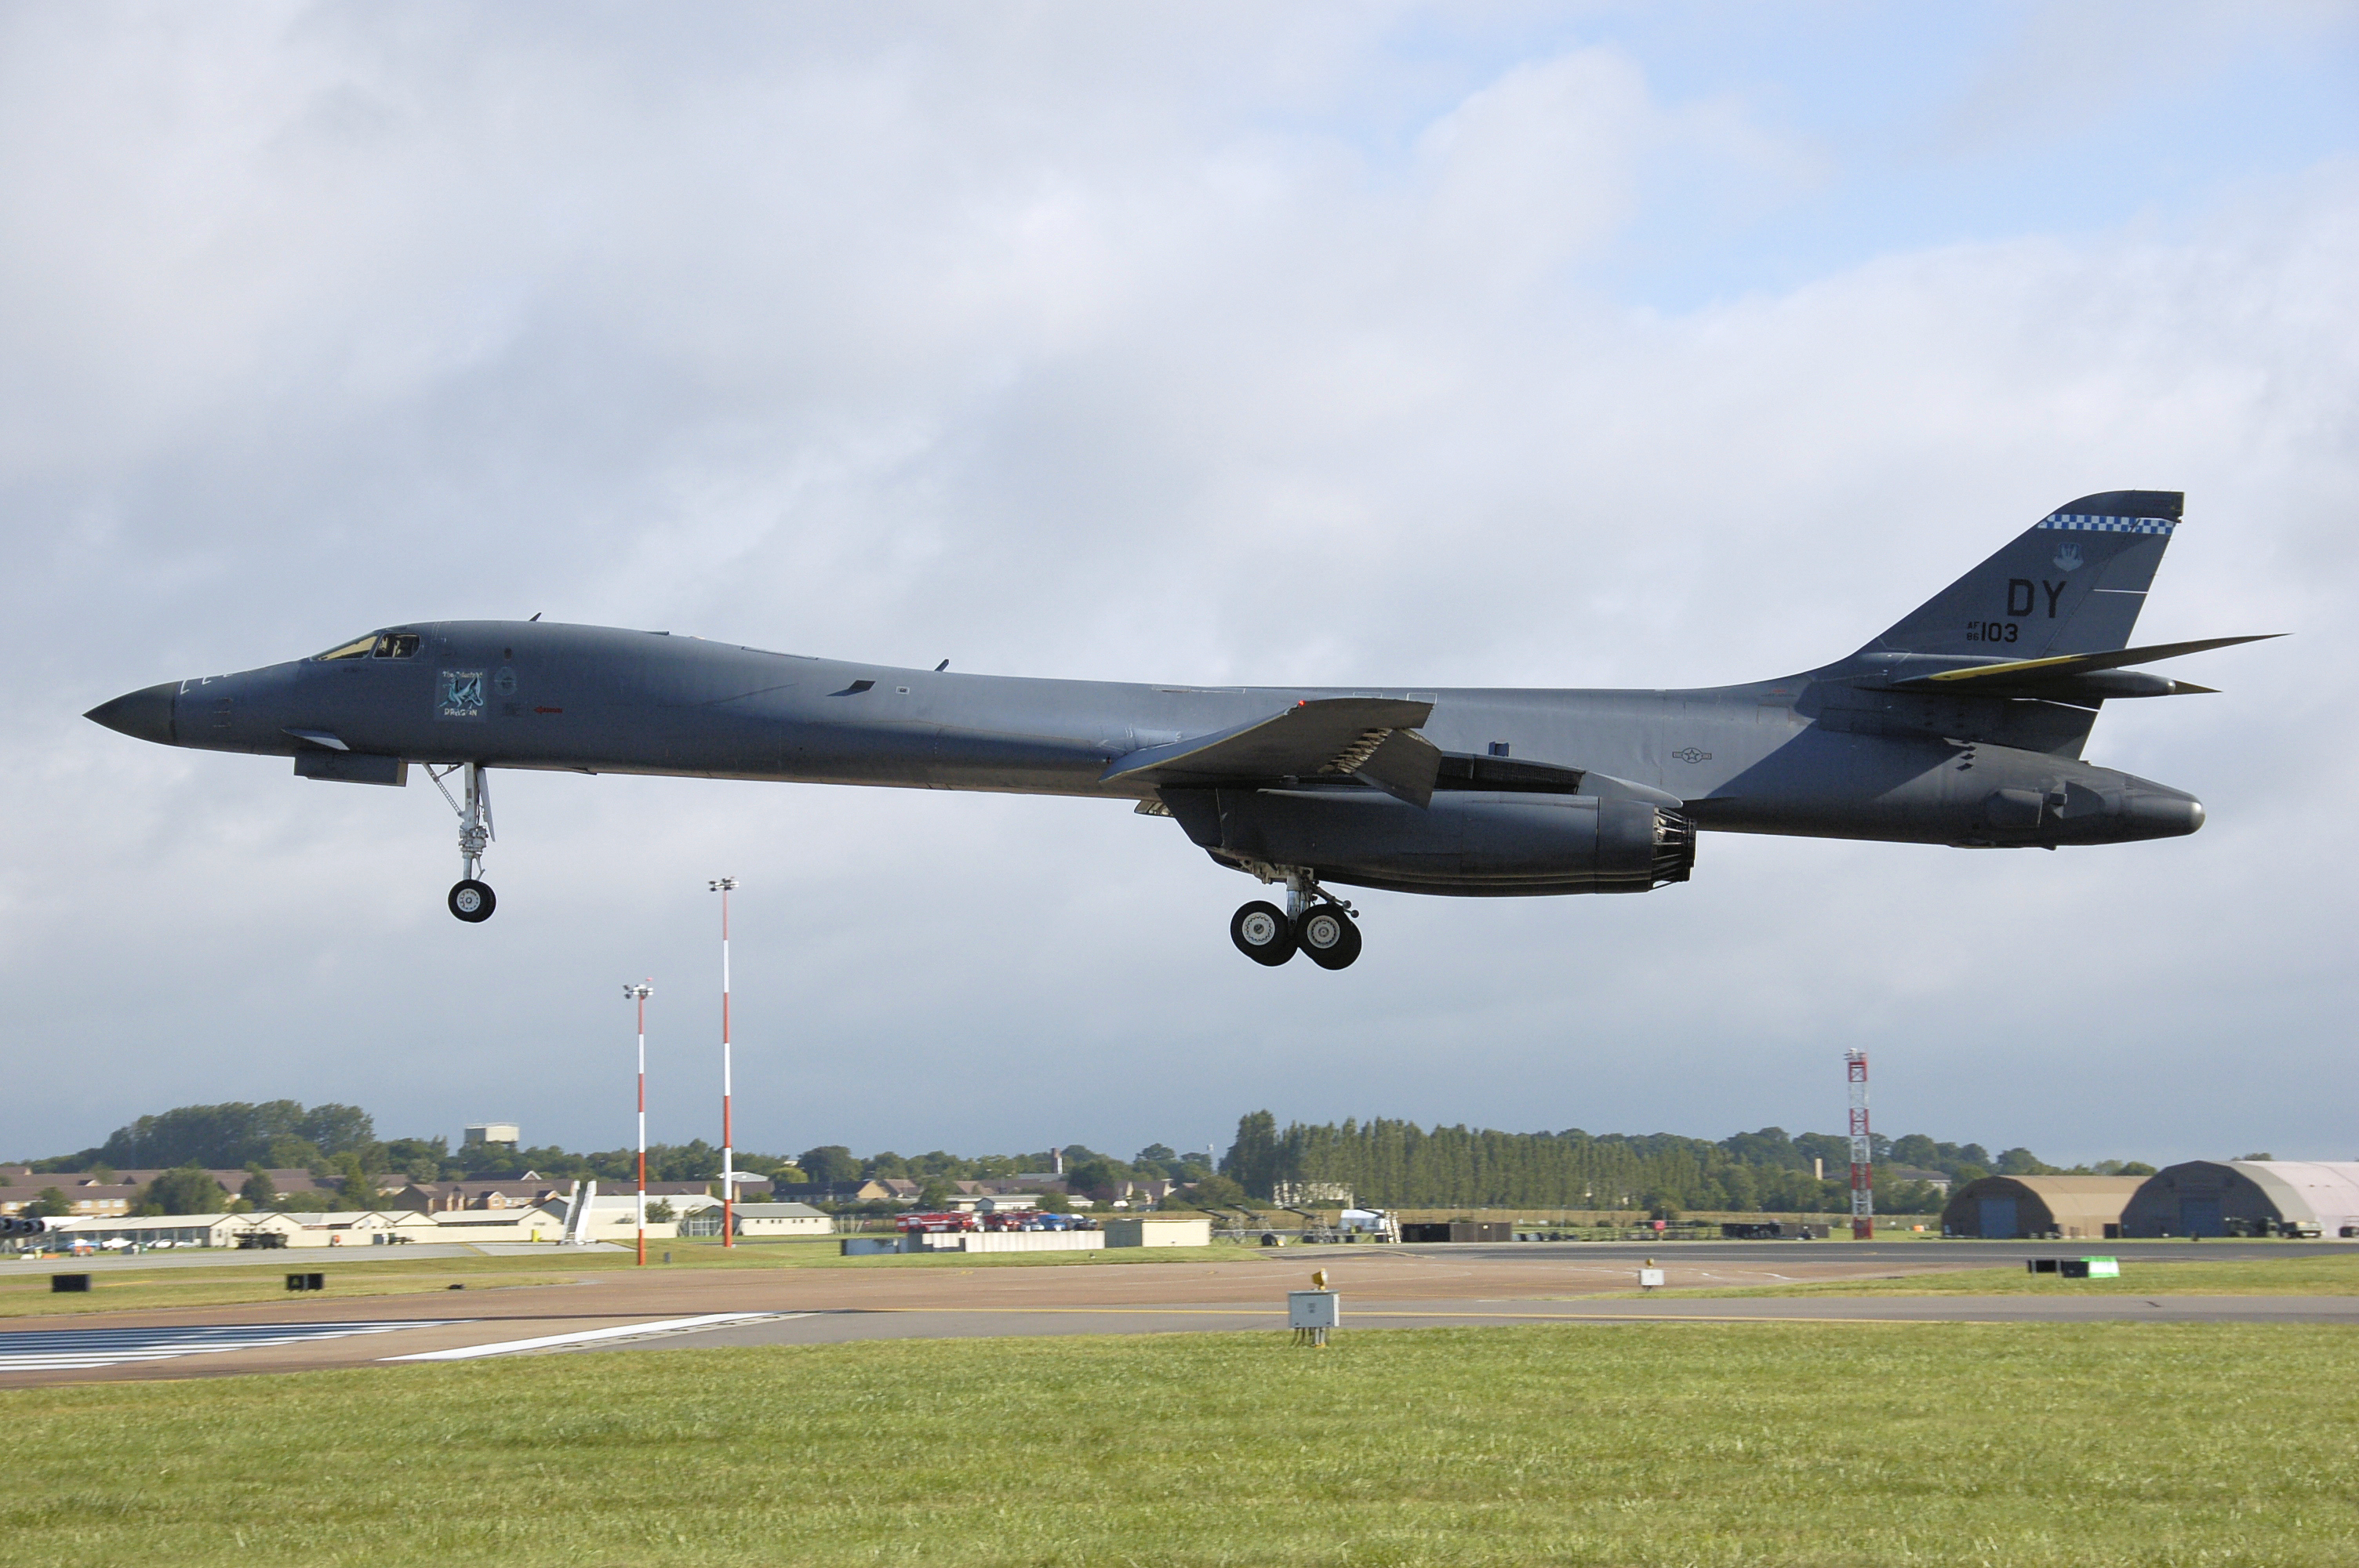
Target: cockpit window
(376,646)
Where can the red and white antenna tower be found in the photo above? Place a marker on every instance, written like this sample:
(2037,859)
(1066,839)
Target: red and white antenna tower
(724,886)
(1863,1152)
(640,993)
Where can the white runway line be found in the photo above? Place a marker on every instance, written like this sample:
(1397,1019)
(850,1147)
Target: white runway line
(550,1341)
(76,1349)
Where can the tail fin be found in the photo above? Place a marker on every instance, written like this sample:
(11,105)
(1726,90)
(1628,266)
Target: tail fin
(2071,583)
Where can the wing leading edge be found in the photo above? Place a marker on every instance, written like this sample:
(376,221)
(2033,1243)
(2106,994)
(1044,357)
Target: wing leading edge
(1370,739)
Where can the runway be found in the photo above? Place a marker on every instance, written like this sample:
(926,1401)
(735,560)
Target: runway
(1390,1287)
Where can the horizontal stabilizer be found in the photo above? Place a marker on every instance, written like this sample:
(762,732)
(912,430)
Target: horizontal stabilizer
(1369,738)
(2065,666)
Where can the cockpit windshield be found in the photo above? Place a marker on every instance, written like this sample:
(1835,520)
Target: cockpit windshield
(376,645)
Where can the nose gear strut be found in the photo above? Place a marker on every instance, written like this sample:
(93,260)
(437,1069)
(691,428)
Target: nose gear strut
(471,897)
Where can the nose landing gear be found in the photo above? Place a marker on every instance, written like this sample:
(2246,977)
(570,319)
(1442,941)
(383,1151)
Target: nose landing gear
(1314,922)
(470,899)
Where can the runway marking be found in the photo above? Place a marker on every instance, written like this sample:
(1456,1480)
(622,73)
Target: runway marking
(1514,1316)
(583,1336)
(75,1349)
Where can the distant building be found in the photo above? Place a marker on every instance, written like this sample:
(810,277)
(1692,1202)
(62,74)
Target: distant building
(86,1194)
(484,1132)
(2010,1208)
(1305,1194)
(2247,1197)
(782,1220)
(892,1189)
(450,1197)
(1938,1180)
(1159,1230)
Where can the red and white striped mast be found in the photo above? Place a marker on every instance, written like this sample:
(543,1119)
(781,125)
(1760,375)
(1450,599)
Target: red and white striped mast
(640,993)
(724,886)
(1863,1152)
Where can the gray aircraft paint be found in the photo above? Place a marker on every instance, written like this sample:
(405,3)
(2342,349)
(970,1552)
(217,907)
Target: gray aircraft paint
(1935,731)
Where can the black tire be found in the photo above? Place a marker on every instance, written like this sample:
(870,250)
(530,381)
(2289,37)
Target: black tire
(1328,935)
(472,901)
(1261,932)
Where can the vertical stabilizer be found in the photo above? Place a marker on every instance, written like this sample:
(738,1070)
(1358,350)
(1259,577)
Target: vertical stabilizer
(2071,583)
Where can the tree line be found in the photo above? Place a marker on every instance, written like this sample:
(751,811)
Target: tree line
(1392,1164)
(1399,1165)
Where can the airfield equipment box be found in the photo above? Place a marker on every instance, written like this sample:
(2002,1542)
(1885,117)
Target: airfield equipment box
(1461,1230)
(68,1283)
(306,1281)
(1313,1309)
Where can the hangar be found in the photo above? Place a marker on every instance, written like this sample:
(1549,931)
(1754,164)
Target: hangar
(2247,1197)
(2008,1209)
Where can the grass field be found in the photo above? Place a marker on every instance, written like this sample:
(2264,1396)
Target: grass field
(376,1272)
(2096,1447)
(2297,1276)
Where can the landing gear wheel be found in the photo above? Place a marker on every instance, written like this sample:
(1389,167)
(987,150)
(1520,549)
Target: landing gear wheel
(1328,936)
(472,901)
(1262,934)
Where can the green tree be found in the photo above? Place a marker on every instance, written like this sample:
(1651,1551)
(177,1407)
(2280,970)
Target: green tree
(660,1212)
(1252,1160)
(829,1164)
(1056,1203)
(2022,1162)
(1208,1191)
(935,1193)
(1095,1175)
(356,1188)
(419,1159)
(234,1133)
(186,1189)
(258,1189)
(49,1203)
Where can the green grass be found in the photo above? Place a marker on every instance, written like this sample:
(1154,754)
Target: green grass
(1644,1447)
(2295,1276)
(372,1271)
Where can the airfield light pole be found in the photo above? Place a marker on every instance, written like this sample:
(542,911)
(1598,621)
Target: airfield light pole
(1863,1152)
(639,994)
(723,885)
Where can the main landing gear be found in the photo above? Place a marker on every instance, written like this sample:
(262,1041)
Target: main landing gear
(471,897)
(1314,923)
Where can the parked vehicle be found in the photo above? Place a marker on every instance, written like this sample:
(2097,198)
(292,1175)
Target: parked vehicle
(935,1224)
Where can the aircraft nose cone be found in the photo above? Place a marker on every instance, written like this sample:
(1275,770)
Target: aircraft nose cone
(144,715)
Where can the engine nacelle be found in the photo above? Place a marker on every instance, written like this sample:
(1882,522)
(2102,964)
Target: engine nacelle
(1466,842)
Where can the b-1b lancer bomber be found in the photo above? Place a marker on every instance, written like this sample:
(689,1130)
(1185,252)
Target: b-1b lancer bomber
(1962,725)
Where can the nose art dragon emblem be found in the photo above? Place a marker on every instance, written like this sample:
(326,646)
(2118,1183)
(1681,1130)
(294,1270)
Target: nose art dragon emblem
(2068,559)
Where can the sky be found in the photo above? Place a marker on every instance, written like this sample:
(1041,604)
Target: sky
(1331,344)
